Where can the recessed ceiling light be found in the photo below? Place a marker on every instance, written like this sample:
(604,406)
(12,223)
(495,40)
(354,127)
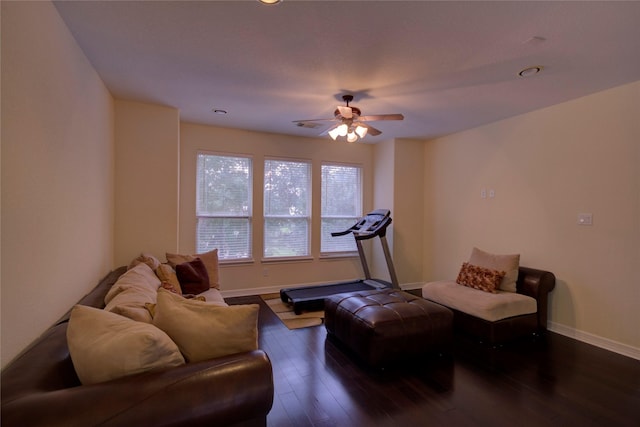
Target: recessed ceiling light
(530,71)
(221,112)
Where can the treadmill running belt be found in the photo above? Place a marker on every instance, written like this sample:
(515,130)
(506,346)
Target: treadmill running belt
(314,292)
(312,298)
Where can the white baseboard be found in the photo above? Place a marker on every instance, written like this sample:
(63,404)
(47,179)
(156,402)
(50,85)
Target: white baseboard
(598,341)
(411,286)
(252,291)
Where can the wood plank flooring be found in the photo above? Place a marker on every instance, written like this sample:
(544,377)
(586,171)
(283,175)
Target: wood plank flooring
(549,381)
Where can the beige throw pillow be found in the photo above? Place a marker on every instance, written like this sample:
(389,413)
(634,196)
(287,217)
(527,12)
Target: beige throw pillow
(166,273)
(205,331)
(132,291)
(106,346)
(140,277)
(507,263)
(210,260)
(145,258)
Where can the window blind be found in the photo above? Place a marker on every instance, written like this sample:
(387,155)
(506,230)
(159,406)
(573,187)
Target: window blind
(287,208)
(341,206)
(223,205)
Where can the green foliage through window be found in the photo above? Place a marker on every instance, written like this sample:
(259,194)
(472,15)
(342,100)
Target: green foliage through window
(223,205)
(341,202)
(287,208)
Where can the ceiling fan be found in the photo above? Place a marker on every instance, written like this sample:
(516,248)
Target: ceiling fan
(351,124)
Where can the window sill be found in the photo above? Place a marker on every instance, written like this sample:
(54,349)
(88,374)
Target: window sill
(340,255)
(286,259)
(232,262)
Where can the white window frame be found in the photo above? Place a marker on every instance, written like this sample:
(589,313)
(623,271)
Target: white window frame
(245,215)
(349,219)
(307,217)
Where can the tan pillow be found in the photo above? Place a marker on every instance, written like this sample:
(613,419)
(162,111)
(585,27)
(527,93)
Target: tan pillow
(106,346)
(507,263)
(140,277)
(151,307)
(145,258)
(166,273)
(168,286)
(484,279)
(213,295)
(210,260)
(137,312)
(205,331)
(132,291)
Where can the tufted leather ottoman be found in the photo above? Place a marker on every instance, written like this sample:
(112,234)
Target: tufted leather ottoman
(388,325)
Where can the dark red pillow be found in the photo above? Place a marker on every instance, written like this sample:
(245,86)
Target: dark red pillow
(193,276)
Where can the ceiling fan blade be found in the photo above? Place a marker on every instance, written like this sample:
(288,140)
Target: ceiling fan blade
(382,117)
(370,129)
(345,112)
(314,120)
(313,124)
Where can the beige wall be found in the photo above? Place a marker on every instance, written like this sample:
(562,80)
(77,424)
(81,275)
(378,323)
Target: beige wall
(408,210)
(57,173)
(399,186)
(383,196)
(258,275)
(546,167)
(147,178)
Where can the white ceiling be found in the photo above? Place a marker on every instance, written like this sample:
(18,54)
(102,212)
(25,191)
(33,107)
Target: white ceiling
(447,66)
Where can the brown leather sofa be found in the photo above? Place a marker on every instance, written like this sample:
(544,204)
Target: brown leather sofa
(41,388)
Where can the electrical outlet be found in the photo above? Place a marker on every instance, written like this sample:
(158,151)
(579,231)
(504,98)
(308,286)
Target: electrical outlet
(492,193)
(265,272)
(585,219)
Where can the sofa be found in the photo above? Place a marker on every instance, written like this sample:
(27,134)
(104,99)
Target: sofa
(494,299)
(41,387)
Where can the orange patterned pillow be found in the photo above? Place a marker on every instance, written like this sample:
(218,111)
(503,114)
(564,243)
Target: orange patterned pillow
(480,278)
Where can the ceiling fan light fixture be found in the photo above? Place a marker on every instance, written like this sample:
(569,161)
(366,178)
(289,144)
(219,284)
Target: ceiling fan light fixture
(349,123)
(334,133)
(270,1)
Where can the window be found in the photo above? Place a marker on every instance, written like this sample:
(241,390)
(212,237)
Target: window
(341,201)
(223,205)
(287,208)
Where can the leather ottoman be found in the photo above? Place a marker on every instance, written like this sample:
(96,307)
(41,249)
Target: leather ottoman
(388,325)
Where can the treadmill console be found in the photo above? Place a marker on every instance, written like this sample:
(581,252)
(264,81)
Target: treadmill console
(373,224)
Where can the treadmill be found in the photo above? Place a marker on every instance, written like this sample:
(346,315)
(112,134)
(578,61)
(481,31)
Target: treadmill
(375,223)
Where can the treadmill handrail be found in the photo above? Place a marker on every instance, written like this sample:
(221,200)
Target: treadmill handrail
(383,219)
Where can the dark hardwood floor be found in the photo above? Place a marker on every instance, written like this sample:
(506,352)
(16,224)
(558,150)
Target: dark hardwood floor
(549,381)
